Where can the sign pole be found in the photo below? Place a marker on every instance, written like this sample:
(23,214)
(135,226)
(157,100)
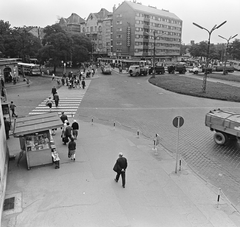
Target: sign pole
(178,126)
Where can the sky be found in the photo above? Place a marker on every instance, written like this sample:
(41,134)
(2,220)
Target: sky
(206,13)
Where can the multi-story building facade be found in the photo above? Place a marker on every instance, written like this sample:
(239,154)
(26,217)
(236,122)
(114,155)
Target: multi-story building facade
(98,28)
(143,32)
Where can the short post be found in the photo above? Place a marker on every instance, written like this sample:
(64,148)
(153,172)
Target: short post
(114,124)
(218,197)
(154,144)
(137,133)
(180,165)
(92,121)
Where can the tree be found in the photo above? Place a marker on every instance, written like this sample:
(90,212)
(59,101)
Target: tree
(200,50)
(234,49)
(18,42)
(57,46)
(81,48)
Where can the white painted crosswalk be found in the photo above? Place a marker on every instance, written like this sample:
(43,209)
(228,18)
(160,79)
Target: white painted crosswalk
(70,100)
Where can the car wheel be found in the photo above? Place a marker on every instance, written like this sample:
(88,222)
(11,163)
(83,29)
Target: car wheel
(220,138)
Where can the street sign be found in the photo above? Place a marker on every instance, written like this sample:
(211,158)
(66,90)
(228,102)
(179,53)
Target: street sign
(178,122)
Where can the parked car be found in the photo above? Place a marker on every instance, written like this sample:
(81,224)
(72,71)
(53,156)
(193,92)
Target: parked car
(106,69)
(194,70)
(229,69)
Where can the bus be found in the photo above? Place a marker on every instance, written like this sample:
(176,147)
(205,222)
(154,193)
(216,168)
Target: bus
(29,69)
(235,64)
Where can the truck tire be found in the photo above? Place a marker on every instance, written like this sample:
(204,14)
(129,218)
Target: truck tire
(220,138)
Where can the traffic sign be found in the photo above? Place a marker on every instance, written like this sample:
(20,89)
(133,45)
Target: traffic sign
(178,122)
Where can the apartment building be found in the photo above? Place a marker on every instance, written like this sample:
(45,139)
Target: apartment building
(98,29)
(143,31)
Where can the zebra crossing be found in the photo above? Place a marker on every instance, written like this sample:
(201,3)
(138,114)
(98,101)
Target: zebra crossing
(70,100)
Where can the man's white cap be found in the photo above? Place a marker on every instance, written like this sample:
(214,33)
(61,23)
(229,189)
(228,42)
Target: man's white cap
(120,154)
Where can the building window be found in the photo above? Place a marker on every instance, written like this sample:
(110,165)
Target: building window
(91,29)
(119,29)
(118,43)
(119,15)
(119,22)
(119,36)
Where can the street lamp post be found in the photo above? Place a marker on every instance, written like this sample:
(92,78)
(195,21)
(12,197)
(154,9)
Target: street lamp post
(154,53)
(225,53)
(208,50)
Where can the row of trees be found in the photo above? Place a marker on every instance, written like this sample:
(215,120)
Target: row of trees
(217,51)
(57,45)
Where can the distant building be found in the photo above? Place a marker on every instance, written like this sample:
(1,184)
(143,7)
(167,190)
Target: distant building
(36,31)
(98,28)
(72,24)
(138,29)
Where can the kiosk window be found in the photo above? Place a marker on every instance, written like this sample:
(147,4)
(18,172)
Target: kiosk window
(37,142)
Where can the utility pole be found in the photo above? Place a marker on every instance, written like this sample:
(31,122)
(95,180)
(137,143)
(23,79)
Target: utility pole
(154,53)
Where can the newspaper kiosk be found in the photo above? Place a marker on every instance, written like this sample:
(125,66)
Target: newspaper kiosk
(36,141)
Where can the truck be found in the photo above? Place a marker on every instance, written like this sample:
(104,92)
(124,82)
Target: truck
(225,124)
(180,68)
(159,69)
(137,70)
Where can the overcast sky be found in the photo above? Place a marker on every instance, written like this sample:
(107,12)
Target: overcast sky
(206,13)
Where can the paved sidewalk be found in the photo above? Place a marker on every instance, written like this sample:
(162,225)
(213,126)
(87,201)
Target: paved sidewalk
(84,194)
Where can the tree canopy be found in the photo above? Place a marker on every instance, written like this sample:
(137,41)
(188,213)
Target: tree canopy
(60,46)
(17,42)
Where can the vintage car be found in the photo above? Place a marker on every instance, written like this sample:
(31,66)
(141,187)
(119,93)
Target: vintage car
(106,69)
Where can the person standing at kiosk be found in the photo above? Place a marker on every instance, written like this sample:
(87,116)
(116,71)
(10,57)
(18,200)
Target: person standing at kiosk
(12,108)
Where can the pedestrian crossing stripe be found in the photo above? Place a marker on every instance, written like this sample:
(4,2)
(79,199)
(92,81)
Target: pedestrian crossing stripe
(69,102)
(68,105)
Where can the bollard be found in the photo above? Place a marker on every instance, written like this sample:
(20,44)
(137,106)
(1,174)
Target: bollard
(218,197)
(154,144)
(92,121)
(114,124)
(180,165)
(138,134)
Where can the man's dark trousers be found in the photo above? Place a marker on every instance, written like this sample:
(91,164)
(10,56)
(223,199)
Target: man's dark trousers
(122,173)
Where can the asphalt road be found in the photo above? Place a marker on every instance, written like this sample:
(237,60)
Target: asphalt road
(134,104)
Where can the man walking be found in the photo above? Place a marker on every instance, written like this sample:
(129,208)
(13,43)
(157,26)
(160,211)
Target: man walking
(75,127)
(54,91)
(56,99)
(72,149)
(120,167)
(12,108)
(63,117)
(68,131)
(83,84)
